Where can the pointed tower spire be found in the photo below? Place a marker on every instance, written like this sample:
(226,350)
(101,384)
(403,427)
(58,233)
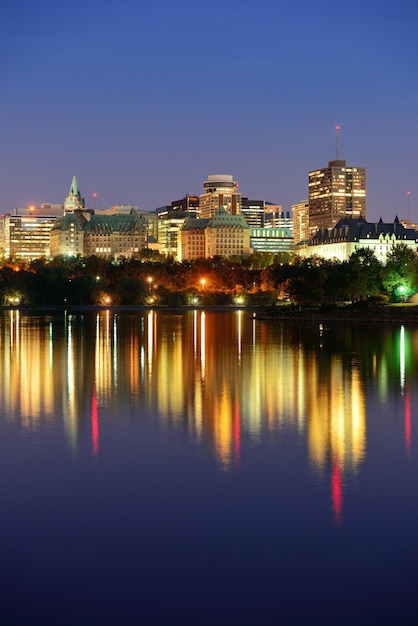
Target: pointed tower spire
(74,200)
(74,190)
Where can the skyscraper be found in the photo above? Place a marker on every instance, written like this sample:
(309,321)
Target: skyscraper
(336,192)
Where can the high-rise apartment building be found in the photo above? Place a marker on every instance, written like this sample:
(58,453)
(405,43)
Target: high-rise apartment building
(220,190)
(336,192)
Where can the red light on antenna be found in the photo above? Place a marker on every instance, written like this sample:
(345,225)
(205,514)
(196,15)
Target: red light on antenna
(338,127)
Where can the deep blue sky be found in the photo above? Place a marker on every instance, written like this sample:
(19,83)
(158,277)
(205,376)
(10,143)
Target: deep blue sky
(143,99)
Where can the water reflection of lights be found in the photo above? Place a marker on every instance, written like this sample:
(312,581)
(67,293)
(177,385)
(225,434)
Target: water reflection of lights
(150,343)
(50,344)
(70,409)
(239,313)
(408,422)
(94,424)
(202,344)
(336,493)
(194,334)
(402,358)
(115,352)
(14,328)
(274,384)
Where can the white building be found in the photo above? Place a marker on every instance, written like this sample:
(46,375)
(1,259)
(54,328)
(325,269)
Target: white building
(348,235)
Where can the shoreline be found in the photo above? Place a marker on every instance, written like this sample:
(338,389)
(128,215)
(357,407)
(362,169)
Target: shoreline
(399,313)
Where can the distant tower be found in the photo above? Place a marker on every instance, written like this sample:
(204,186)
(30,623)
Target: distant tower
(74,200)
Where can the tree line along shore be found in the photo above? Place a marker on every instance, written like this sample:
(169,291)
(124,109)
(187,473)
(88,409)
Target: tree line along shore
(281,284)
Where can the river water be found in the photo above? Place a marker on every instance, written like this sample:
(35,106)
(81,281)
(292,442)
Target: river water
(207,468)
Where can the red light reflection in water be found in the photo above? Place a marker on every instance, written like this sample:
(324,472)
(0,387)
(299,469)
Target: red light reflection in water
(94,424)
(336,493)
(237,433)
(407,422)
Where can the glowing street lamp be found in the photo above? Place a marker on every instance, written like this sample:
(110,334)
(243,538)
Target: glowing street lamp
(149,279)
(202,283)
(402,292)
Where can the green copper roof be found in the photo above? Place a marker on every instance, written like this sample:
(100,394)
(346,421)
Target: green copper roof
(224,219)
(74,190)
(89,222)
(221,219)
(192,223)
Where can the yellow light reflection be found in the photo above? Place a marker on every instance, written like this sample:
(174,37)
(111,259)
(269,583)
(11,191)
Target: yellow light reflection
(150,343)
(203,344)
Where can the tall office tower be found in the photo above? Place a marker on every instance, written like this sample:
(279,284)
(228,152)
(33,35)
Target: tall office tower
(253,212)
(220,190)
(74,200)
(300,221)
(336,192)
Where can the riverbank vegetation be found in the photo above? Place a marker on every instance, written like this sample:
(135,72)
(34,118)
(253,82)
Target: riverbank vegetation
(261,280)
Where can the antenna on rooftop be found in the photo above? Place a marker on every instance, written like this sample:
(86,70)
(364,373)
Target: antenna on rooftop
(408,196)
(337,138)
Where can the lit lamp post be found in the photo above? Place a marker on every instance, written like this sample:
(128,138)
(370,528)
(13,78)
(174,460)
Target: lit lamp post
(149,279)
(402,292)
(202,284)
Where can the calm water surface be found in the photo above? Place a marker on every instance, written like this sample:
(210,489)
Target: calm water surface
(207,468)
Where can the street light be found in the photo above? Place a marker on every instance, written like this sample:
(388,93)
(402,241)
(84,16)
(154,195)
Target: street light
(149,279)
(402,292)
(202,283)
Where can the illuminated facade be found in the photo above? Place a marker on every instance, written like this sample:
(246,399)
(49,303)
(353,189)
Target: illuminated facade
(349,235)
(109,235)
(253,211)
(221,235)
(117,232)
(336,192)
(73,201)
(300,212)
(220,190)
(188,204)
(169,228)
(271,239)
(26,236)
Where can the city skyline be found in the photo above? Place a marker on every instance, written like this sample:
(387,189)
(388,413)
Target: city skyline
(142,103)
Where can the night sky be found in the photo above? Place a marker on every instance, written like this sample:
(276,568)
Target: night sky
(143,99)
